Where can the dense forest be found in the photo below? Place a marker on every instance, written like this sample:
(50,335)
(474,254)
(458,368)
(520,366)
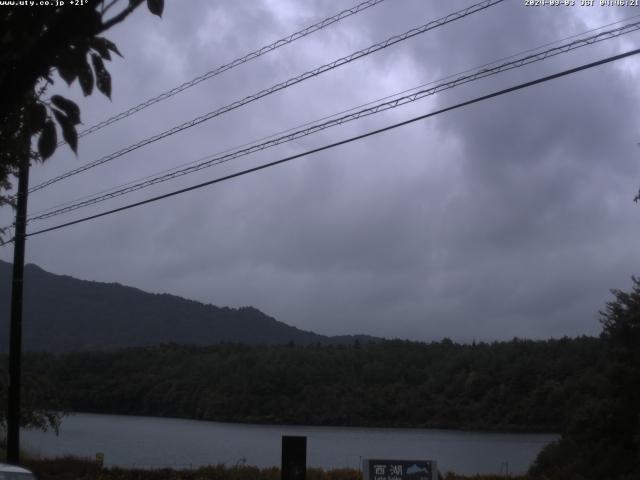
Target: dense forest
(601,435)
(524,385)
(587,388)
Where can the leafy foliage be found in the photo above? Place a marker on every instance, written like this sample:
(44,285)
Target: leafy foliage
(602,438)
(36,42)
(48,139)
(41,406)
(522,385)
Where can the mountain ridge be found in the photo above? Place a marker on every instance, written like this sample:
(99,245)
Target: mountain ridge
(63,314)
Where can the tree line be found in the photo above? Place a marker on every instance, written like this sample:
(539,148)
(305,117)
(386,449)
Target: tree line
(587,388)
(520,385)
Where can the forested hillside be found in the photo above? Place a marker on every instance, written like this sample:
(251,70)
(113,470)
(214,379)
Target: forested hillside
(508,385)
(65,314)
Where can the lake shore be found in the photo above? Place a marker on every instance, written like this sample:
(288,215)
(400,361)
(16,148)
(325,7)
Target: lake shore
(148,442)
(75,468)
(398,426)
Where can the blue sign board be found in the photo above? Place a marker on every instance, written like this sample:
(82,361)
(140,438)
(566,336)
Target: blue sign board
(400,470)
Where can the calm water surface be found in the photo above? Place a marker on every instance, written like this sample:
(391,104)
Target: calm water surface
(157,442)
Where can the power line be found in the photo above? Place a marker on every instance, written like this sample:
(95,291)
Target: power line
(343,142)
(234,63)
(380,107)
(280,86)
(327,117)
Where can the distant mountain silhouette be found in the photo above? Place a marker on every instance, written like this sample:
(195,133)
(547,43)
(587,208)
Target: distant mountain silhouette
(62,314)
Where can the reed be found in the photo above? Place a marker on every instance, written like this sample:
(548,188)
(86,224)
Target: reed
(75,468)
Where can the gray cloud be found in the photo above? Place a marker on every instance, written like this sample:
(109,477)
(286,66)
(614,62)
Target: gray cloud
(508,218)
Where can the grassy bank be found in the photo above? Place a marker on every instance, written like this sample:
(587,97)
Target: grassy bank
(73,468)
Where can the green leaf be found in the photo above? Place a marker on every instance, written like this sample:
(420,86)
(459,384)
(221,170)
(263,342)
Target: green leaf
(68,130)
(85,77)
(156,7)
(70,109)
(67,74)
(37,117)
(103,78)
(109,45)
(100,45)
(67,65)
(48,140)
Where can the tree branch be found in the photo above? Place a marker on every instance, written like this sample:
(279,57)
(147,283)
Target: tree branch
(119,17)
(106,9)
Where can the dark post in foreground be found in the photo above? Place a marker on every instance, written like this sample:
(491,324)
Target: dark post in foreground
(294,458)
(15,335)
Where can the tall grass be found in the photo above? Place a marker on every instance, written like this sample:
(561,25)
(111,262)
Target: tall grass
(74,468)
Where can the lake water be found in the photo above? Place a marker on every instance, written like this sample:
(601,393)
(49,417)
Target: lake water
(150,442)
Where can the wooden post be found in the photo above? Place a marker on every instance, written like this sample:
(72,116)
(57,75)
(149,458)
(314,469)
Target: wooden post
(294,458)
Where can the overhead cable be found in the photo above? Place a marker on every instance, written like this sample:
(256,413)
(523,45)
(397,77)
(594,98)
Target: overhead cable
(374,109)
(343,142)
(327,117)
(234,63)
(275,88)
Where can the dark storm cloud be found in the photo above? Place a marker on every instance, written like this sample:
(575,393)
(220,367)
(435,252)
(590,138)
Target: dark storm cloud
(543,169)
(509,218)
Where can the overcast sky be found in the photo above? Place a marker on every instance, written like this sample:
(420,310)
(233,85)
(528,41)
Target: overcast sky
(509,218)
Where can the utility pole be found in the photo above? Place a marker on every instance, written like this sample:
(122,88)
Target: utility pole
(15,335)
(637,197)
